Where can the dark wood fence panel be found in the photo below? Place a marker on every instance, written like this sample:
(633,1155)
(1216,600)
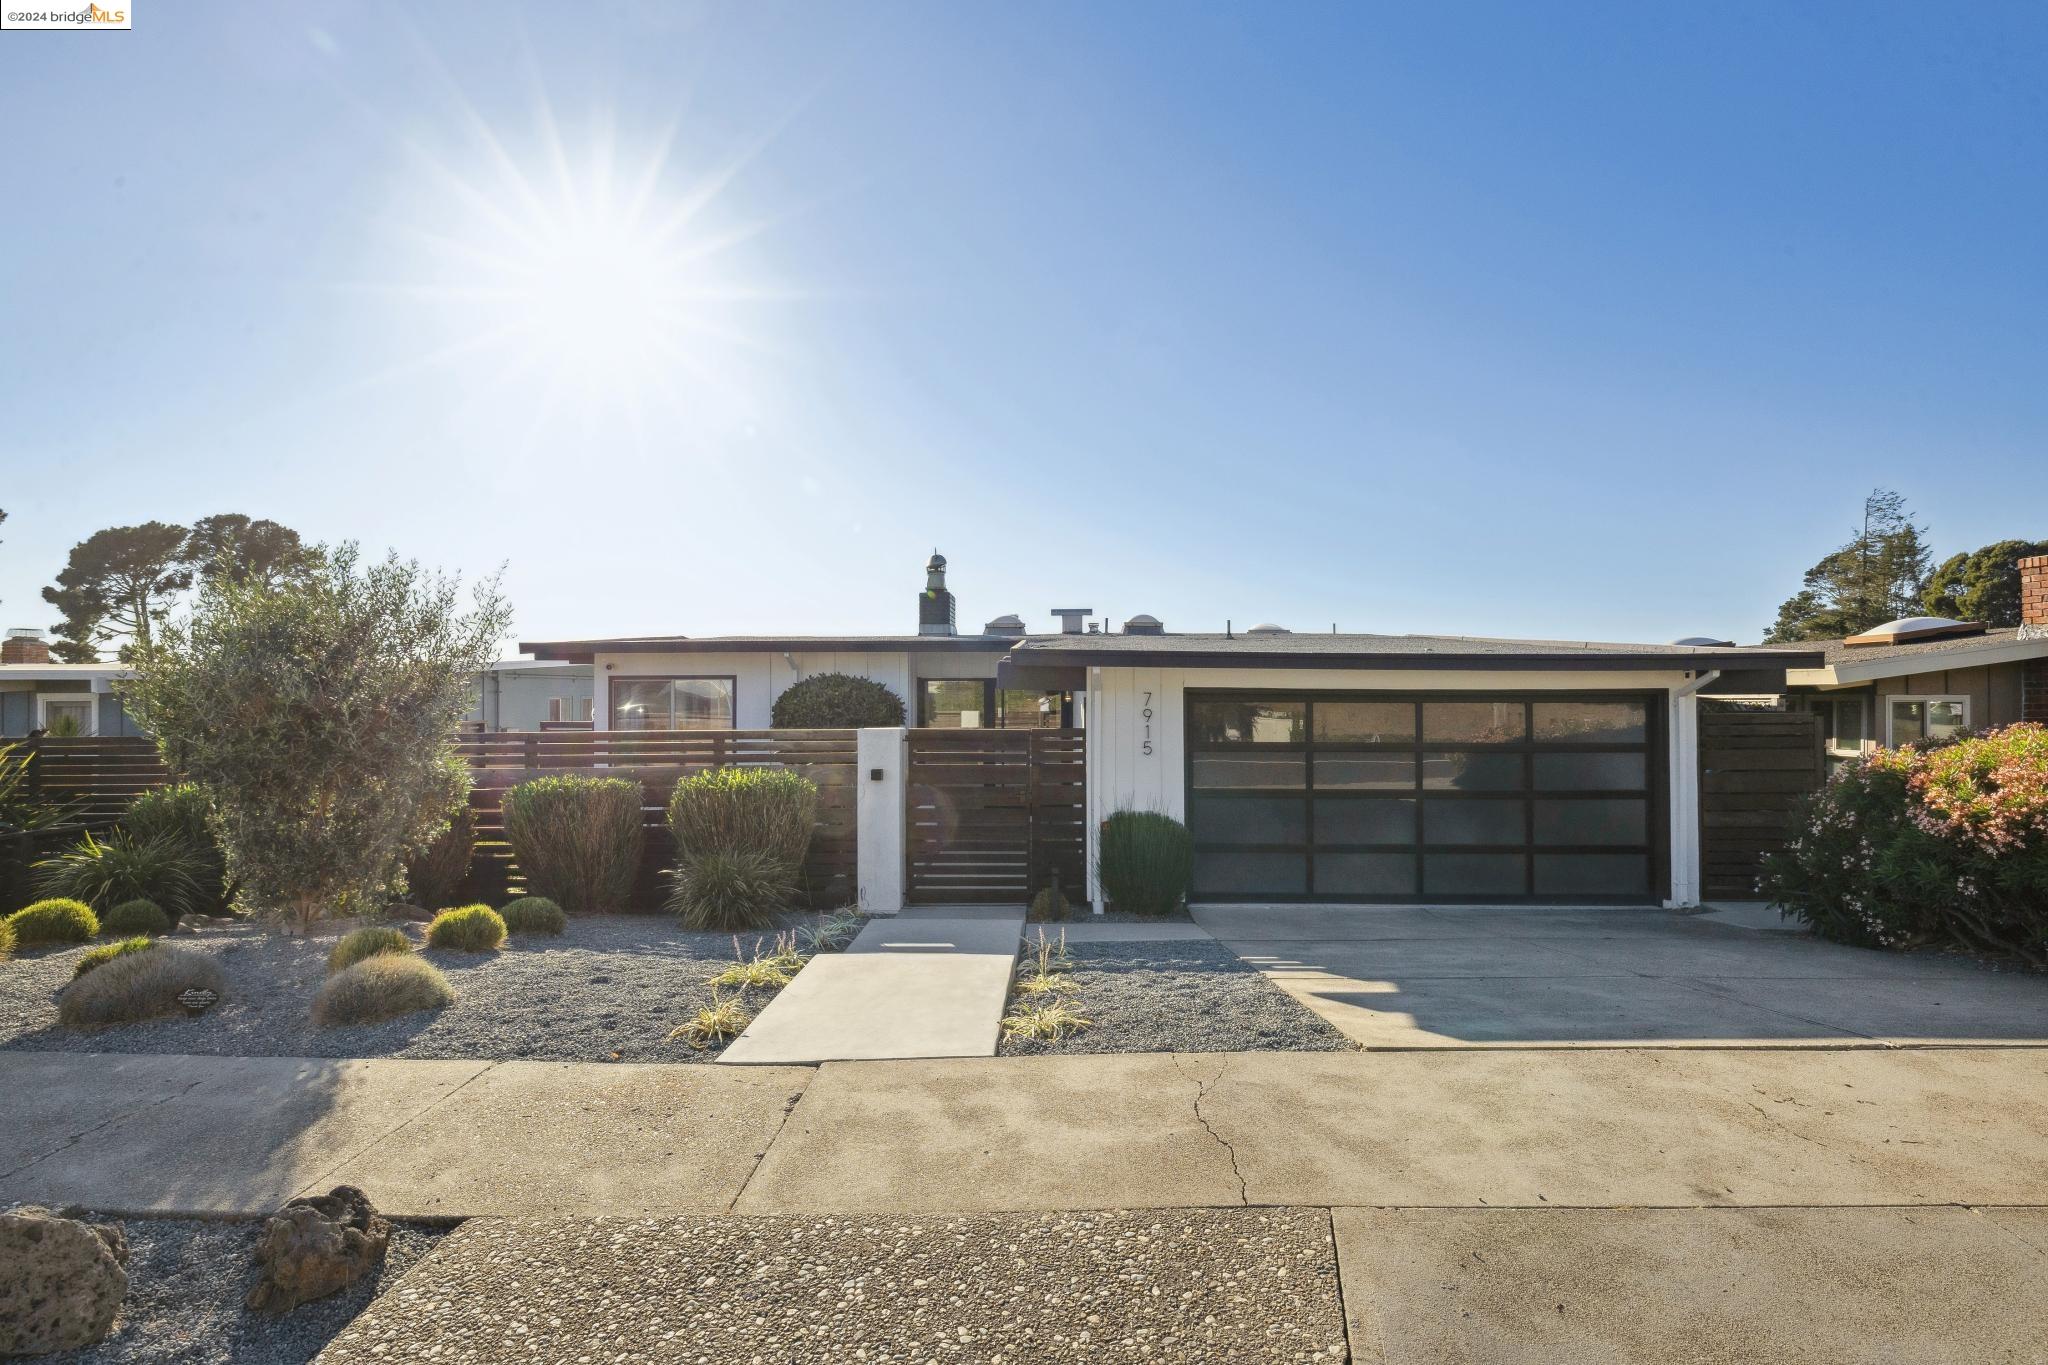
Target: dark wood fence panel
(1754,768)
(100,776)
(992,815)
(657,760)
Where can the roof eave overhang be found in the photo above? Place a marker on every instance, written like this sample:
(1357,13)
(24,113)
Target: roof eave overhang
(1496,663)
(1849,672)
(586,651)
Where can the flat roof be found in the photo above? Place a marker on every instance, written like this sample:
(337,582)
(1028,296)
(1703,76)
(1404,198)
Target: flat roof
(1395,652)
(1843,664)
(585,651)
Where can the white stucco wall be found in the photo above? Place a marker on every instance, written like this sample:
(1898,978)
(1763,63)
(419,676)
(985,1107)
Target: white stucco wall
(761,677)
(1136,760)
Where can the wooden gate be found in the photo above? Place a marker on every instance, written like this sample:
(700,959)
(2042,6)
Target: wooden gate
(1754,767)
(993,814)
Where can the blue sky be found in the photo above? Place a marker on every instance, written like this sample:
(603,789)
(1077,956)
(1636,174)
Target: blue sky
(1562,321)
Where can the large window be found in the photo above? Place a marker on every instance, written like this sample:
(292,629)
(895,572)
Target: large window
(977,703)
(1425,797)
(672,703)
(1912,718)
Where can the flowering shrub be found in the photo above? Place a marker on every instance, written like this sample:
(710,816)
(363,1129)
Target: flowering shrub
(1934,844)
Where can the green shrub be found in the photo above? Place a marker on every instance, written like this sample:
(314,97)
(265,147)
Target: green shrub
(53,921)
(577,839)
(770,811)
(1048,905)
(731,890)
(827,701)
(533,915)
(359,944)
(1145,862)
(1929,844)
(379,988)
(138,985)
(136,917)
(120,867)
(183,813)
(107,952)
(466,929)
(6,940)
(435,873)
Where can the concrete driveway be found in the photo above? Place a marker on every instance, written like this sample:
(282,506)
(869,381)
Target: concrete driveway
(1535,977)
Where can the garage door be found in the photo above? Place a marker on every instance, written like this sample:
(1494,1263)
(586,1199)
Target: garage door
(1426,797)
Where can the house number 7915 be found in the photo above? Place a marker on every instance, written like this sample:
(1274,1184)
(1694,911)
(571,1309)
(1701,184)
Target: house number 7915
(1147,714)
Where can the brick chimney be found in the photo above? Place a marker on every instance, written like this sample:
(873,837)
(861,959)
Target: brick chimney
(24,645)
(2034,597)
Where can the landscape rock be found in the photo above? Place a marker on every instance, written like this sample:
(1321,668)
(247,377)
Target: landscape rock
(61,1280)
(315,1247)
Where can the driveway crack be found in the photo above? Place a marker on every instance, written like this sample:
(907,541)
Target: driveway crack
(1202,1088)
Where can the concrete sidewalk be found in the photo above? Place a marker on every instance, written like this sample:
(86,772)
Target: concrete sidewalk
(1479,1129)
(912,985)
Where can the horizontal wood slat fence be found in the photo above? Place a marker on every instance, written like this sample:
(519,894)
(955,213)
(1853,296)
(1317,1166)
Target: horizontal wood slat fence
(993,814)
(102,775)
(1754,768)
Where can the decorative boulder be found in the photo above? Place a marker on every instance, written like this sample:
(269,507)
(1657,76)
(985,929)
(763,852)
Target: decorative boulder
(315,1247)
(61,1281)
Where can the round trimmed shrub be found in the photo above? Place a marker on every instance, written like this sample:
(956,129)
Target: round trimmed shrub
(466,929)
(136,917)
(379,988)
(771,811)
(533,915)
(833,701)
(53,921)
(107,952)
(353,947)
(1145,862)
(729,891)
(6,940)
(138,985)
(577,839)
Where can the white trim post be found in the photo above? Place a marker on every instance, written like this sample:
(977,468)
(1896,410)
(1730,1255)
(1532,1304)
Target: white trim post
(881,755)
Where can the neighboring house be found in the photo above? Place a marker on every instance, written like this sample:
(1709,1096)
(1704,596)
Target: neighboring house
(1927,677)
(730,682)
(36,693)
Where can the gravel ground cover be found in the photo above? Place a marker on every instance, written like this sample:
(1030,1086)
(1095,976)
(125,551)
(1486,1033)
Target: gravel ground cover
(1242,1285)
(1176,996)
(186,1282)
(610,989)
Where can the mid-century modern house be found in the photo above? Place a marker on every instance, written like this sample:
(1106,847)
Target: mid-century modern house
(1349,768)
(39,694)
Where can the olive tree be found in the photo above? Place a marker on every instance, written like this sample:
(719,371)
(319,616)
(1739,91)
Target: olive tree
(320,713)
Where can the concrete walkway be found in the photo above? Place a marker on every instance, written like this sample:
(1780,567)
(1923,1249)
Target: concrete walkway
(919,984)
(1477,1129)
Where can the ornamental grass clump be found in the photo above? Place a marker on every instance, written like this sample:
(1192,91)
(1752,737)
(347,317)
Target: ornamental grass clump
(1046,1022)
(721,1021)
(138,985)
(533,915)
(53,921)
(106,871)
(731,890)
(6,940)
(379,988)
(107,952)
(577,839)
(768,971)
(828,933)
(1145,862)
(466,929)
(1927,845)
(770,811)
(136,917)
(362,944)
